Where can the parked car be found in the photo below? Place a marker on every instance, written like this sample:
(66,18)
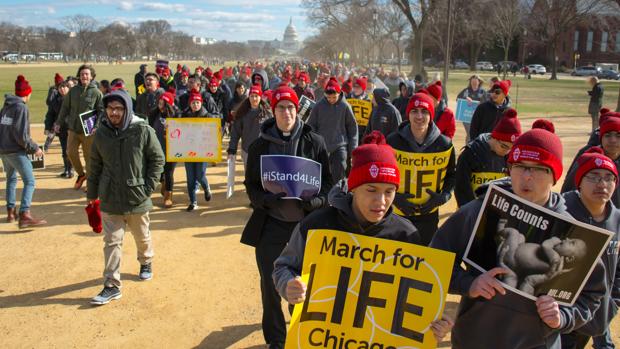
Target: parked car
(537,69)
(507,64)
(484,65)
(609,74)
(458,64)
(586,71)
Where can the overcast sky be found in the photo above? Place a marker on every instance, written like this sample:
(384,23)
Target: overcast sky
(232,20)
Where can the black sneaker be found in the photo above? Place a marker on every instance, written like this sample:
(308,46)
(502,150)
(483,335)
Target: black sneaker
(64,175)
(207,195)
(146,273)
(192,207)
(106,295)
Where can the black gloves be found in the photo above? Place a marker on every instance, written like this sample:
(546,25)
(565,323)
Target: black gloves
(436,200)
(271,199)
(401,201)
(312,204)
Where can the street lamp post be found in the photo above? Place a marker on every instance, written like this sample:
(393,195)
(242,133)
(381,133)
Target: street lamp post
(577,56)
(375,18)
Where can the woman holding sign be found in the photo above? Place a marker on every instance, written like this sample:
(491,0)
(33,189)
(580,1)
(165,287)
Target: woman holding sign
(196,171)
(427,166)
(473,92)
(274,216)
(365,210)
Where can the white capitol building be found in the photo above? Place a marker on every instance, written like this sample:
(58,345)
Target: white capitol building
(290,43)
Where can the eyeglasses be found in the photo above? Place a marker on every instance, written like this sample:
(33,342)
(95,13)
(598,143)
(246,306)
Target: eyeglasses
(283,109)
(118,110)
(533,170)
(596,179)
(497,91)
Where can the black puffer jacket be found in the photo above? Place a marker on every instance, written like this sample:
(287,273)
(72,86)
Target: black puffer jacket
(384,118)
(486,117)
(477,164)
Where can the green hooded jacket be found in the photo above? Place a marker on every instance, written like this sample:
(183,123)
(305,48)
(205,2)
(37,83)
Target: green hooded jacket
(80,99)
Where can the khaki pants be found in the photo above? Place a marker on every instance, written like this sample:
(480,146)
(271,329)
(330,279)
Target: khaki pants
(73,151)
(113,232)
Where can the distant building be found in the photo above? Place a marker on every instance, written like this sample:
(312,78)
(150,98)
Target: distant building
(290,39)
(203,41)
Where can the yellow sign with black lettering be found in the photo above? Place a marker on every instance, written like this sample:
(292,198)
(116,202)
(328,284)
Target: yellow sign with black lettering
(421,171)
(361,110)
(479,178)
(366,292)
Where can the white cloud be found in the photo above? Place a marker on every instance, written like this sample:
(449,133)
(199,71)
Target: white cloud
(125,6)
(160,6)
(51,10)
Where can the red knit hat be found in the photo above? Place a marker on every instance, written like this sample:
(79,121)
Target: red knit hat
(58,79)
(22,87)
(194,96)
(610,124)
(373,162)
(435,90)
(303,76)
(168,98)
(184,73)
(283,93)
(332,86)
(508,129)
(540,146)
(218,75)
(93,212)
(256,89)
(362,83)
(421,100)
(347,86)
(214,82)
(165,71)
(593,159)
(503,85)
(179,67)
(208,73)
(544,124)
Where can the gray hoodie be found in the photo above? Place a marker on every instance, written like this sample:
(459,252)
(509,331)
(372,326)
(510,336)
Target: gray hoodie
(336,123)
(15,127)
(384,118)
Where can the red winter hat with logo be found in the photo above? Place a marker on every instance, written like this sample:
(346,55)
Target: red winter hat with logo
(214,82)
(22,87)
(594,159)
(283,93)
(167,97)
(362,83)
(256,89)
(435,90)
(58,79)
(195,96)
(503,85)
(508,129)
(373,162)
(332,86)
(421,100)
(540,146)
(303,76)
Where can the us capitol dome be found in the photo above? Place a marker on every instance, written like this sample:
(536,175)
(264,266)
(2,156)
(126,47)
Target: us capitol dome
(290,40)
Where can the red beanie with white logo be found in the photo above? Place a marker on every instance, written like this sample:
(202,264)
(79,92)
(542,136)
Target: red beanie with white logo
(256,89)
(593,159)
(167,97)
(508,129)
(373,162)
(540,146)
(283,93)
(421,100)
(332,86)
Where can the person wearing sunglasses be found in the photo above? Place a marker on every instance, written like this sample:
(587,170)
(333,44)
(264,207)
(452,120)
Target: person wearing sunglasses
(609,139)
(484,159)
(488,113)
(596,180)
(534,165)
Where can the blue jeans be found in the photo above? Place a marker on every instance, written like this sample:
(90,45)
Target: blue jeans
(18,163)
(196,174)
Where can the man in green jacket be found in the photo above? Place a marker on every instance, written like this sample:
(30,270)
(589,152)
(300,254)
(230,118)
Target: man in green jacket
(126,162)
(81,98)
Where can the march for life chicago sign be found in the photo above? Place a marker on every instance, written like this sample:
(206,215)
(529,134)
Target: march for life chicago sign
(545,253)
(366,292)
(297,177)
(193,140)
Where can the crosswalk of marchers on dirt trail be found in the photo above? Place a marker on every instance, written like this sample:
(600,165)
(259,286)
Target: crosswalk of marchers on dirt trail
(205,291)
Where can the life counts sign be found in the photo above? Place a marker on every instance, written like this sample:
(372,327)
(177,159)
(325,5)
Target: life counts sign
(193,140)
(361,110)
(366,292)
(421,171)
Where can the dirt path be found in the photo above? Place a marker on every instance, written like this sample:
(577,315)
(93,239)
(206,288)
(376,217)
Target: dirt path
(205,290)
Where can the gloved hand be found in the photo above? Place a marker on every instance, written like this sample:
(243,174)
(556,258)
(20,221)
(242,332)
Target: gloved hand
(270,199)
(312,203)
(401,201)
(436,200)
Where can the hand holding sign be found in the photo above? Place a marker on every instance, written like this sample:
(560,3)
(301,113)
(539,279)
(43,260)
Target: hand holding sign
(549,311)
(296,291)
(486,285)
(270,199)
(442,327)
(401,201)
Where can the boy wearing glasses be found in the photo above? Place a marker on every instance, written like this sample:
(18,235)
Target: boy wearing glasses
(333,119)
(596,178)
(484,159)
(535,164)
(126,162)
(273,219)
(487,114)
(610,143)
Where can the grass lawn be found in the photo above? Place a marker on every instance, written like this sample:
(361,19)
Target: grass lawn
(538,97)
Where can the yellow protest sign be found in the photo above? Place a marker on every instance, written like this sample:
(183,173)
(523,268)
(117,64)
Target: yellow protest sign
(193,140)
(421,171)
(361,110)
(366,292)
(479,178)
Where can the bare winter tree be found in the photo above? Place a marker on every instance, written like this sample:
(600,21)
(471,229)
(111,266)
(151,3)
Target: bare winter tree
(396,28)
(473,33)
(153,34)
(550,20)
(507,22)
(418,14)
(84,27)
